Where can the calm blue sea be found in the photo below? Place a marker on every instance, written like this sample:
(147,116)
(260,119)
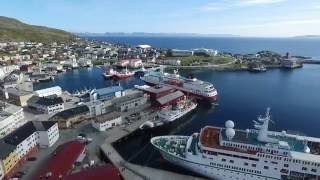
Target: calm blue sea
(296,46)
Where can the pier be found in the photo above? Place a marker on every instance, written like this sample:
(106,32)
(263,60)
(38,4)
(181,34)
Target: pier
(130,171)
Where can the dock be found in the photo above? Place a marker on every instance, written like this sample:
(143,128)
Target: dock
(130,171)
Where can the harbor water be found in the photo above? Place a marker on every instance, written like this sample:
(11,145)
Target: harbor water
(292,95)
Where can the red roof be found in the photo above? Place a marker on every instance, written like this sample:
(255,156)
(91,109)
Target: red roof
(98,173)
(62,160)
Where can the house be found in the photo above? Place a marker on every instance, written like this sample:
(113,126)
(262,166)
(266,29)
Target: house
(47,104)
(11,117)
(72,116)
(106,121)
(56,90)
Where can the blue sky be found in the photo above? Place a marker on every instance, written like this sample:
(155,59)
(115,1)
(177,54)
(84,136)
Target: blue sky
(267,18)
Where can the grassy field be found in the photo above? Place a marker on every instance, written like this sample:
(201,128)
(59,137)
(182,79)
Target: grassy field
(219,59)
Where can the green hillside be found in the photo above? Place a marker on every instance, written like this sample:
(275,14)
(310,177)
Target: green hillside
(12,29)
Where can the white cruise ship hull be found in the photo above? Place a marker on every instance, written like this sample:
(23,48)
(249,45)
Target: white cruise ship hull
(210,171)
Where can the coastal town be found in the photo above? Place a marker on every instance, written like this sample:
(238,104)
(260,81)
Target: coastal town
(38,126)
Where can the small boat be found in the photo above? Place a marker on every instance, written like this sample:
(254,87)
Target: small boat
(109,73)
(123,75)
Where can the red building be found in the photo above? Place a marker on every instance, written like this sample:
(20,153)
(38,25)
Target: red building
(163,96)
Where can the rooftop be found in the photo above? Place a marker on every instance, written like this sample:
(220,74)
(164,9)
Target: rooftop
(98,173)
(17,92)
(6,149)
(170,97)
(46,101)
(20,134)
(108,90)
(129,97)
(7,110)
(61,161)
(158,89)
(107,117)
(68,113)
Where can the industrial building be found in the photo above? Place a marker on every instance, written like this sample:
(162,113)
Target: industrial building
(106,121)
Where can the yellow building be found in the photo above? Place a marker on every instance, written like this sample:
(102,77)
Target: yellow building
(8,160)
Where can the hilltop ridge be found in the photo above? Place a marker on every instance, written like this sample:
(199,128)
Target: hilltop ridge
(14,30)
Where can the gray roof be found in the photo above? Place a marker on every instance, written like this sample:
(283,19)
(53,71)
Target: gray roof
(108,90)
(6,149)
(156,90)
(46,101)
(170,97)
(107,117)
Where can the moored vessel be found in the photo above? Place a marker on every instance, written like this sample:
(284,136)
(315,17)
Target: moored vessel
(170,114)
(190,86)
(228,153)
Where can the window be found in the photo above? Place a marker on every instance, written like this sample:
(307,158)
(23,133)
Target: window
(254,165)
(223,160)
(246,164)
(313,170)
(265,167)
(231,161)
(304,168)
(286,165)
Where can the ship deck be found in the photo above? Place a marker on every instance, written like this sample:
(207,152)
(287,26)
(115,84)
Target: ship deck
(172,145)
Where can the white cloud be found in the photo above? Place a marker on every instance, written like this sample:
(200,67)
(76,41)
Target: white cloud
(258,2)
(230,4)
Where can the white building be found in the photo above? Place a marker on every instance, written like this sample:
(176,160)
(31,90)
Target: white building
(85,62)
(96,108)
(47,104)
(210,52)
(30,135)
(48,133)
(106,121)
(179,53)
(174,62)
(11,117)
(56,90)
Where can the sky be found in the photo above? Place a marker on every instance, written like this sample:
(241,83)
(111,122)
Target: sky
(257,18)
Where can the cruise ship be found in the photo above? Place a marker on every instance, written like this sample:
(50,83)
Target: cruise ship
(190,86)
(251,154)
(170,114)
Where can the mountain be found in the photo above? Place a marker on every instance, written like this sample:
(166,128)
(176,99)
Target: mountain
(146,34)
(15,30)
(308,36)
